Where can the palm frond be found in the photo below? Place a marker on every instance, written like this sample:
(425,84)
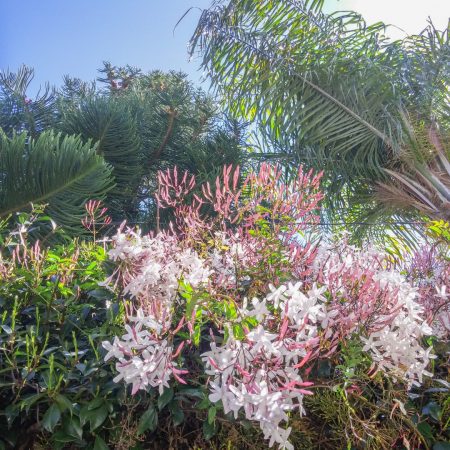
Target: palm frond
(319,84)
(422,182)
(328,91)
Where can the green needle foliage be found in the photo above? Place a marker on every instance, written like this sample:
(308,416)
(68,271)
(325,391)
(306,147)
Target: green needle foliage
(112,126)
(108,142)
(20,113)
(60,171)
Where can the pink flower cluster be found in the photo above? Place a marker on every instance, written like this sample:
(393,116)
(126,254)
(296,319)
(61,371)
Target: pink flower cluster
(144,360)
(151,269)
(430,271)
(273,303)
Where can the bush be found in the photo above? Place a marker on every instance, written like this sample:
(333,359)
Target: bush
(231,324)
(54,387)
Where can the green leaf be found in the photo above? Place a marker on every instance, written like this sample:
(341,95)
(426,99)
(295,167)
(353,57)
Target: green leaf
(100,444)
(72,427)
(176,412)
(197,334)
(95,403)
(62,436)
(63,403)
(230,310)
(204,404)
(165,398)
(95,417)
(29,401)
(425,430)
(209,430)
(212,414)
(11,412)
(51,417)
(433,410)
(148,421)
(178,417)
(192,392)
(238,331)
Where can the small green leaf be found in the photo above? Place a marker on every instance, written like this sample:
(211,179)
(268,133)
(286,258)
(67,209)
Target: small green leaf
(165,398)
(95,403)
(178,417)
(212,414)
(72,427)
(29,401)
(433,410)
(197,334)
(238,331)
(230,310)
(100,444)
(62,436)
(51,417)
(191,392)
(209,430)
(204,404)
(149,421)
(11,412)
(63,403)
(97,417)
(425,430)
(176,412)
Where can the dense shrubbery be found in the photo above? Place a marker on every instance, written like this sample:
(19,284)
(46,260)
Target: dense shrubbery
(227,323)
(232,324)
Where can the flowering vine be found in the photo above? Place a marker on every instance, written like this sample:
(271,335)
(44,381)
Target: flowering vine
(235,272)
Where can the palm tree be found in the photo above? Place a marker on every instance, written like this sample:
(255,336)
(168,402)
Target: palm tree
(423,182)
(329,91)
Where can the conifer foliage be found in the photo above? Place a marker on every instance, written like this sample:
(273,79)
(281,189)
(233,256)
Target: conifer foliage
(114,136)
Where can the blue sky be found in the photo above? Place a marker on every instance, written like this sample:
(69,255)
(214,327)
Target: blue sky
(59,37)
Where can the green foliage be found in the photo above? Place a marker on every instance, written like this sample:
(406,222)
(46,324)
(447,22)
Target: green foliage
(176,124)
(111,125)
(53,317)
(17,111)
(57,392)
(60,171)
(440,231)
(91,143)
(327,91)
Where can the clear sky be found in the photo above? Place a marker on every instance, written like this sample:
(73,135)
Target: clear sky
(59,37)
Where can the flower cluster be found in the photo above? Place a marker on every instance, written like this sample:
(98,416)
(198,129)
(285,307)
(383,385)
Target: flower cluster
(151,269)
(260,374)
(268,304)
(144,360)
(430,272)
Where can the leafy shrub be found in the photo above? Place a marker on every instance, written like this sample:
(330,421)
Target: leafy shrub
(54,387)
